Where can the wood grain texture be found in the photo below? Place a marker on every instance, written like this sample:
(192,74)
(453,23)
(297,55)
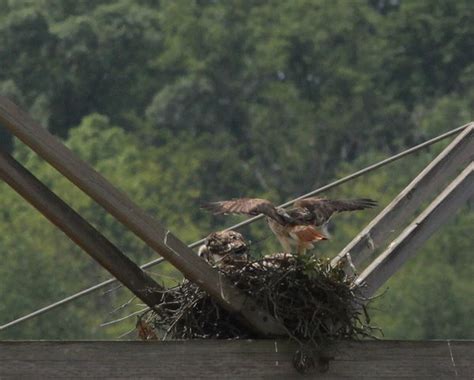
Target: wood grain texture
(79,230)
(445,166)
(138,221)
(413,237)
(211,359)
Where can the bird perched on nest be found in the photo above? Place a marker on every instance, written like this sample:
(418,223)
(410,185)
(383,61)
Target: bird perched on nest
(224,248)
(297,225)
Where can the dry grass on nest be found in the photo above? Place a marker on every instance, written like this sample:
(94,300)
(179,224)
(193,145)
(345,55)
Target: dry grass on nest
(315,303)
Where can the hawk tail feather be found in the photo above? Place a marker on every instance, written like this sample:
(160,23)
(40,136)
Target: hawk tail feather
(307,234)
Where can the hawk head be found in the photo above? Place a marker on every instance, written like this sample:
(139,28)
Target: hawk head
(224,248)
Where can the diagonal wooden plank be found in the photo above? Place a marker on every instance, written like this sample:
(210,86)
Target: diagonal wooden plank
(413,237)
(128,213)
(79,230)
(455,156)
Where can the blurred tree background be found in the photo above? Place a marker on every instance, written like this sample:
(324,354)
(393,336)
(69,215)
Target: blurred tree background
(179,102)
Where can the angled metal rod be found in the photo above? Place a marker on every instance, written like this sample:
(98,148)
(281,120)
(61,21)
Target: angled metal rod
(379,164)
(153,233)
(72,298)
(331,185)
(446,165)
(412,238)
(79,230)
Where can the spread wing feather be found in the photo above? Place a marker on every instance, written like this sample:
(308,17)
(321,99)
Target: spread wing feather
(247,206)
(325,208)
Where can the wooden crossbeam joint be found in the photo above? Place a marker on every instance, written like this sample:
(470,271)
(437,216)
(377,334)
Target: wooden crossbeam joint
(128,213)
(456,155)
(405,245)
(79,230)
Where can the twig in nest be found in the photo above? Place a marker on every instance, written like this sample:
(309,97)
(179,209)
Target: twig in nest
(314,301)
(139,312)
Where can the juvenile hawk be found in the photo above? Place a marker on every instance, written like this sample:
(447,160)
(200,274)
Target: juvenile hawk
(224,248)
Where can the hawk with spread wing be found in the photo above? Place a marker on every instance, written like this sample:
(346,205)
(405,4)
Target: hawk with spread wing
(297,225)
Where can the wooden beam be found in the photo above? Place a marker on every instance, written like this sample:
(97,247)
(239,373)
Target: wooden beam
(79,230)
(455,156)
(234,359)
(128,213)
(413,237)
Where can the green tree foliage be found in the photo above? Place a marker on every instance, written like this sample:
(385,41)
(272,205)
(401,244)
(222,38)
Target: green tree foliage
(180,102)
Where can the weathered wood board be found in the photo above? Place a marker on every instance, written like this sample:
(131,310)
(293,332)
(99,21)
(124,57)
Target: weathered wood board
(119,205)
(79,230)
(262,359)
(437,174)
(413,237)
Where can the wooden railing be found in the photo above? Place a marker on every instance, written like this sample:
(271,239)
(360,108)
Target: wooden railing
(234,359)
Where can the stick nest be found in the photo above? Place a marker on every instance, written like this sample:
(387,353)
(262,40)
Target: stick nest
(315,303)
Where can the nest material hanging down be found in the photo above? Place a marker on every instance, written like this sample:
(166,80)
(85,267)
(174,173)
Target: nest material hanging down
(314,301)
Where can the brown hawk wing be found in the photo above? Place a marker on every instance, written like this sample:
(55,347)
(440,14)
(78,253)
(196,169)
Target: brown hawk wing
(247,206)
(322,209)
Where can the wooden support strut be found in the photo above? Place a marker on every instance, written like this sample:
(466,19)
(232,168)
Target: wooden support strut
(412,238)
(455,156)
(79,230)
(144,226)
